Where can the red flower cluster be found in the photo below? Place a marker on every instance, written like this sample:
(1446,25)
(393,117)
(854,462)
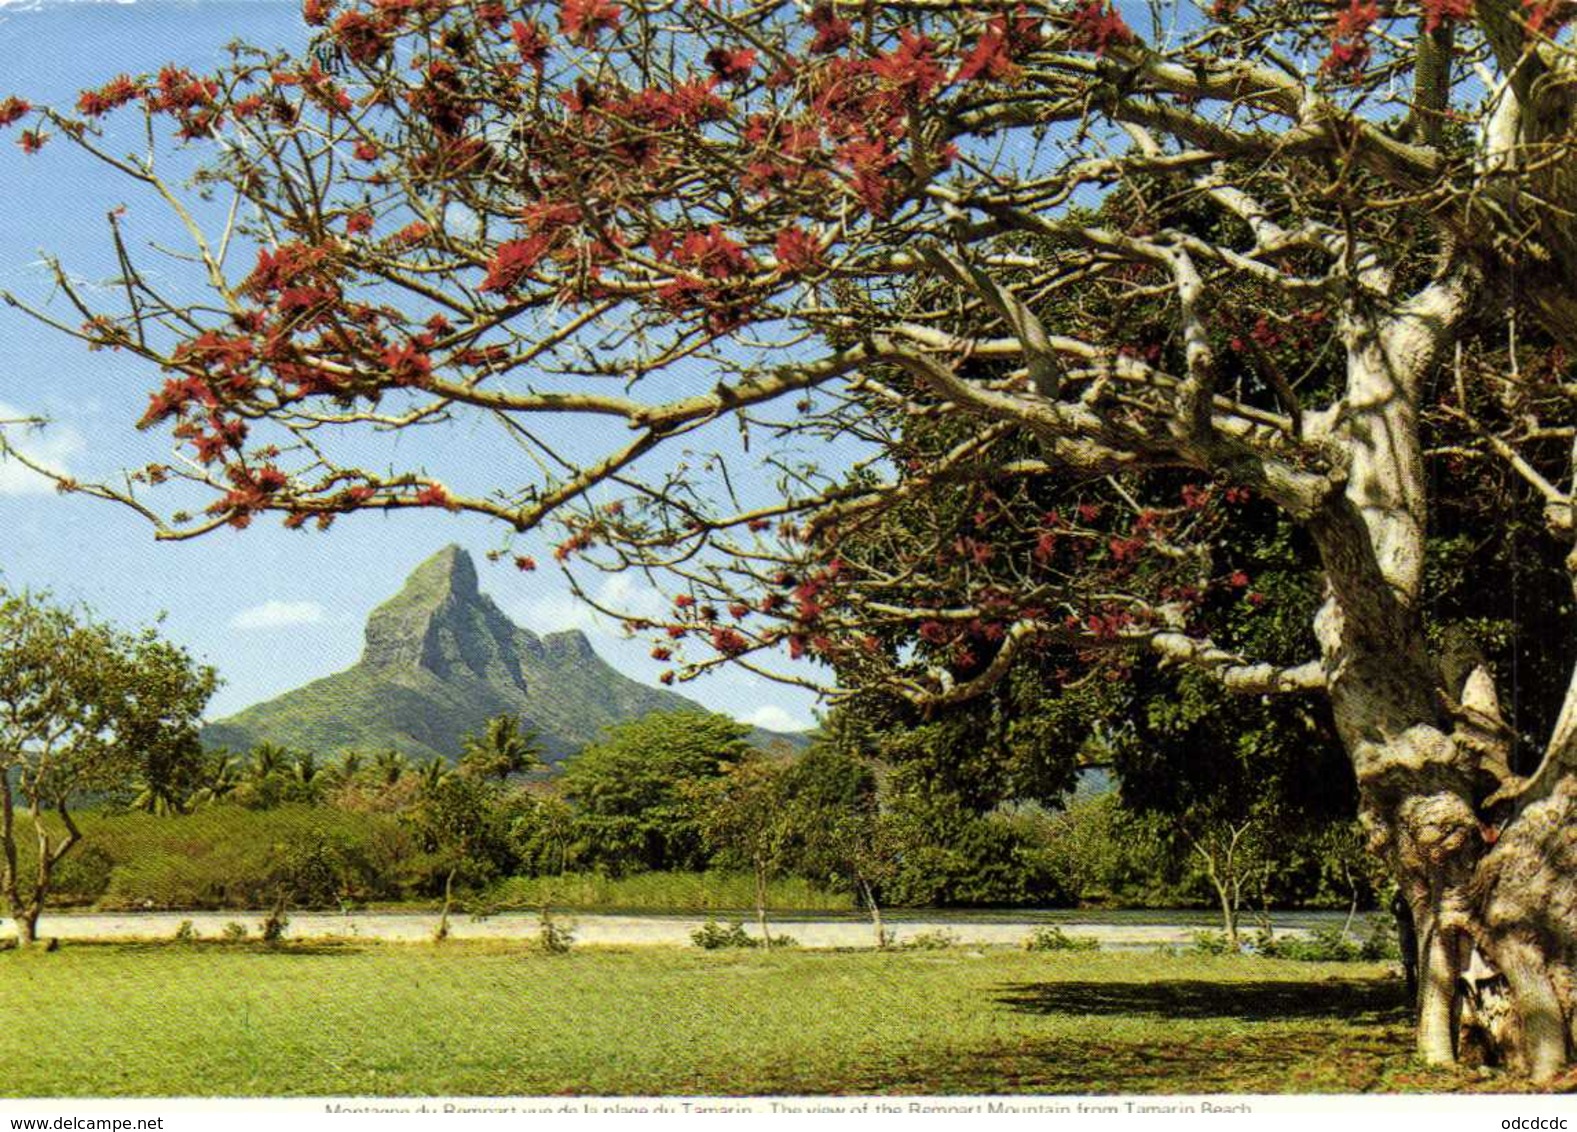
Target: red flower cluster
(407,365)
(512,262)
(434,496)
(1350,36)
(912,68)
(533,43)
(832,31)
(361,37)
(584,20)
(797,250)
(11,109)
(729,642)
(1096,26)
(713,254)
(287,265)
(731,66)
(1437,12)
(112,95)
(1007,37)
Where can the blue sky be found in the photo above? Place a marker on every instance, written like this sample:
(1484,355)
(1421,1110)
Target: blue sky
(270,608)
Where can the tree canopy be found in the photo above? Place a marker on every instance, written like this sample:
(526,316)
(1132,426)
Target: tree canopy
(84,709)
(1157,280)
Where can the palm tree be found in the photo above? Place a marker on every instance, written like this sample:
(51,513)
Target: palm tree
(431,774)
(306,777)
(224,775)
(350,764)
(268,759)
(157,798)
(503,748)
(390,766)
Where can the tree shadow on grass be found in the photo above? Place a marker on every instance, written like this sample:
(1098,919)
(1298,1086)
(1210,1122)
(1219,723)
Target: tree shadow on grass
(1364,1001)
(1272,1060)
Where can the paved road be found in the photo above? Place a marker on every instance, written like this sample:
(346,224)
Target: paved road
(595,929)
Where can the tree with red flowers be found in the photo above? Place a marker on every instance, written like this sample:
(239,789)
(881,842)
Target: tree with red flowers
(1142,276)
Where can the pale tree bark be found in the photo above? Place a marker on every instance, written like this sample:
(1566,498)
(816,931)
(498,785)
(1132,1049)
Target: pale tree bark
(1510,893)
(761,902)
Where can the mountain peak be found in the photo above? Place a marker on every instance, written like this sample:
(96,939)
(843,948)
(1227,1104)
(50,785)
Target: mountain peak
(399,631)
(450,571)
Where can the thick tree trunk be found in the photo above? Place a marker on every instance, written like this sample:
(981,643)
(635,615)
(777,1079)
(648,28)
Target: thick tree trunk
(26,921)
(1498,904)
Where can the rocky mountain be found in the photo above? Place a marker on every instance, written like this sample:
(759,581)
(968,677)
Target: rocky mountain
(441,659)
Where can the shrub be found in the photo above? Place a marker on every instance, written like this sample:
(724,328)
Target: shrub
(1379,941)
(84,876)
(274,925)
(1053,938)
(185,932)
(939,940)
(1322,945)
(713,936)
(234,932)
(553,937)
(1212,943)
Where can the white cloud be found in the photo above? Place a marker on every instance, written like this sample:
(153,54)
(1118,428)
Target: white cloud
(278,615)
(622,593)
(774,718)
(51,446)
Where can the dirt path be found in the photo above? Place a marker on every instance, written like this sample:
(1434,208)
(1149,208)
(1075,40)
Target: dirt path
(588,929)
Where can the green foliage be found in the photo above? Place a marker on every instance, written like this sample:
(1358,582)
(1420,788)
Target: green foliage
(712,936)
(1212,943)
(185,932)
(229,857)
(85,708)
(1379,943)
(1329,944)
(465,822)
(743,814)
(554,936)
(939,940)
(630,794)
(235,932)
(1053,938)
(501,749)
(272,929)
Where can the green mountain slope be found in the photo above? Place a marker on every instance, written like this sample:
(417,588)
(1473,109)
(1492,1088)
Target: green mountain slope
(440,660)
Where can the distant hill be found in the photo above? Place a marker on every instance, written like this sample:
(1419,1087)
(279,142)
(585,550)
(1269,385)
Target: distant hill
(441,659)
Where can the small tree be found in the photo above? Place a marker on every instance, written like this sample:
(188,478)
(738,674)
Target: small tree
(628,788)
(835,827)
(743,821)
(462,820)
(84,708)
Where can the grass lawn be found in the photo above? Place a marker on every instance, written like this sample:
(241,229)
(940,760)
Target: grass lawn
(463,1019)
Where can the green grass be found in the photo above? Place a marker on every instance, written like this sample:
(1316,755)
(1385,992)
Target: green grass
(493,1020)
(688,893)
